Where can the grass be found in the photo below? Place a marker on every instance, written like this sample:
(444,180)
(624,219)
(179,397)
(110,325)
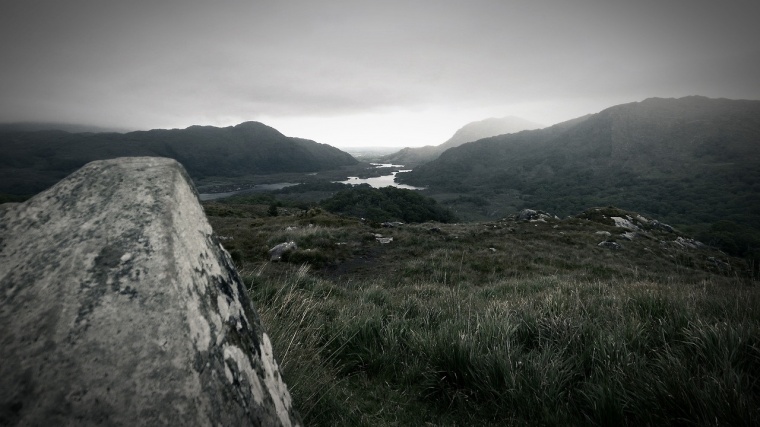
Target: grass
(503,323)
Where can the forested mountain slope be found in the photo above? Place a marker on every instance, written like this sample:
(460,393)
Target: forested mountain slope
(687,160)
(32,161)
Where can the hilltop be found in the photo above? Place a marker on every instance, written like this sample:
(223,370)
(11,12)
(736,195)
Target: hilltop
(34,160)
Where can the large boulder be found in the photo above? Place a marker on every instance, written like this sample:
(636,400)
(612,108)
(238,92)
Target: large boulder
(118,306)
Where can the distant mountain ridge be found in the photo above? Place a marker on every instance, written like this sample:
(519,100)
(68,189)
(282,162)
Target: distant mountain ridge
(472,131)
(32,161)
(687,160)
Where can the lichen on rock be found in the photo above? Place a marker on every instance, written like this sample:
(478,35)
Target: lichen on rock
(119,306)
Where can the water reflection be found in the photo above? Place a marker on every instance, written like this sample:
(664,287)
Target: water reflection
(381,181)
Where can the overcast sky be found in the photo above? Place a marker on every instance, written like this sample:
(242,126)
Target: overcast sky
(356,73)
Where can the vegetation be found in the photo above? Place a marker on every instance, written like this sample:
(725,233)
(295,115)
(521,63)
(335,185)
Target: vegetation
(386,204)
(504,322)
(690,162)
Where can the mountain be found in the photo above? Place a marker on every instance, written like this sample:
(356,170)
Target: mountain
(32,161)
(469,132)
(692,160)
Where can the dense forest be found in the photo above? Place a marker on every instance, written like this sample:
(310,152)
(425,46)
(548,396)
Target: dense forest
(387,204)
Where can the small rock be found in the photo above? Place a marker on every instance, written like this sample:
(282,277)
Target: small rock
(624,223)
(720,264)
(392,224)
(604,233)
(526,214)
(533,215)
(688,243)
(610,245)
(276,253)
(661,226)
(384,240)
(628,235)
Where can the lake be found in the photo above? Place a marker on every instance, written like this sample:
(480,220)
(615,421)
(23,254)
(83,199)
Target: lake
(375,182)
(381,181)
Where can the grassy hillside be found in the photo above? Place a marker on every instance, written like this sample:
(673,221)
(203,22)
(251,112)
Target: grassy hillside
(32,161)
(506,322)
(692,160)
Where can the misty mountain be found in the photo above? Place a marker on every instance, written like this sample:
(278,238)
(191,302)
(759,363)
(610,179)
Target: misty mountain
(34,160)
(470,132)
(690,160)
(66,127)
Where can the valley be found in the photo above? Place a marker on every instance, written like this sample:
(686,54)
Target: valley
(380,213)
(601,271)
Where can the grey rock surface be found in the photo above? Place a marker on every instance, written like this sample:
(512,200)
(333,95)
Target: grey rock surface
(119,307)
(626,223)
(534,215)
(276,253)
(628,235)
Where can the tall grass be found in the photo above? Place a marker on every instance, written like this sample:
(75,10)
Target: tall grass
(505,323)
(547,350)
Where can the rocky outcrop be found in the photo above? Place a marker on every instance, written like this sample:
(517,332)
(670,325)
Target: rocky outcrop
(534,215)
(119,307)
(626,223)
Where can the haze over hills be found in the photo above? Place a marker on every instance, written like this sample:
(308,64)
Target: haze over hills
(32,161)
(469,132)
(66,127)
(688,160)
